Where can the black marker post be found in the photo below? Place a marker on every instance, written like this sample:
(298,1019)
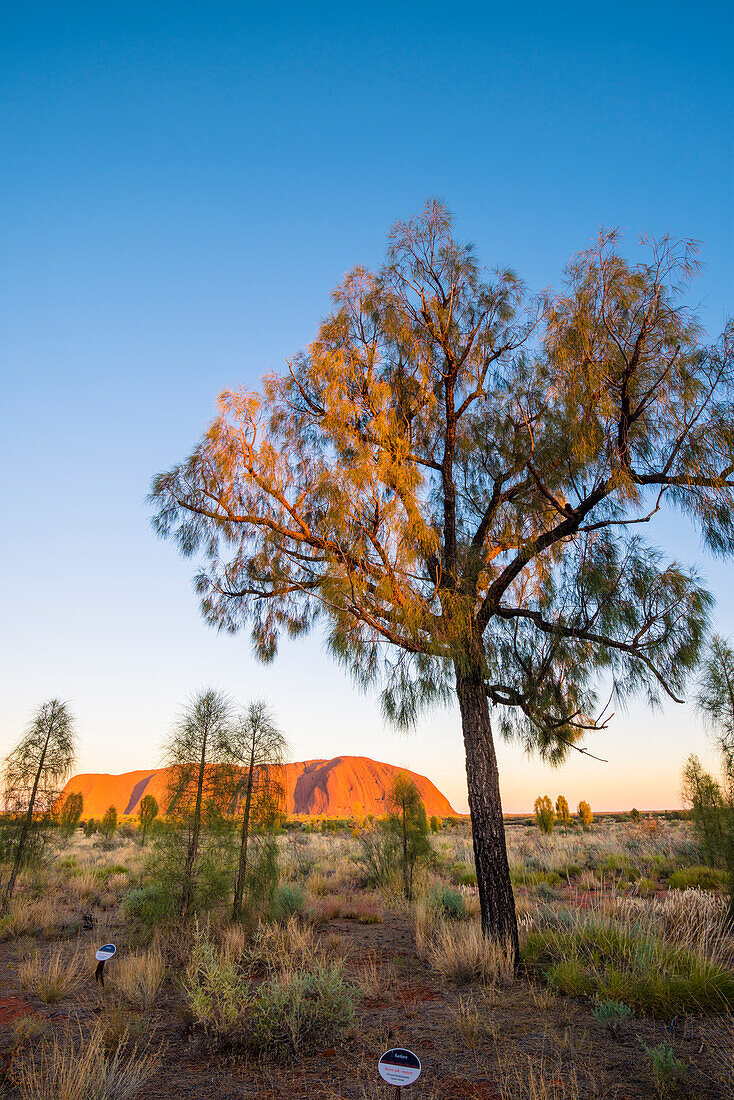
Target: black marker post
(105,952)
(399,1067)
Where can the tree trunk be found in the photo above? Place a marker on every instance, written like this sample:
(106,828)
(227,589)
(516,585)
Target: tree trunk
(239,887)
(485,805)
(187,899)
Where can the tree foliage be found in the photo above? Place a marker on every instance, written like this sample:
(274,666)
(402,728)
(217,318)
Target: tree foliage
(545,817)
(108,823)
(197,779)
(410,823)
(34,773)
(712,803)
(254,747)
(563,813)
(147,813)
(586,817)
(71,812)
(454,478)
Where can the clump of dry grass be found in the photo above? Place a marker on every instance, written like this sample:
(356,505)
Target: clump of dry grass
(54,976)
(528,1078)
(698,920)
(65,1069)
(235,942)
(28,917)
(374,980)
(472,1020)
(284,946)
(461,953)
(85,885)
(139,977)
(319,884)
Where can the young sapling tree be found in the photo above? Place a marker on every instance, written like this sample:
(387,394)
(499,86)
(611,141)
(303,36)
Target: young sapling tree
(34,772)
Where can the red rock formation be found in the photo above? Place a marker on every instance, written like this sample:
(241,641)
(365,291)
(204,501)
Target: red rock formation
(340,787)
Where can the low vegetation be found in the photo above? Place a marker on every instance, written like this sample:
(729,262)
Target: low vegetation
(615,943)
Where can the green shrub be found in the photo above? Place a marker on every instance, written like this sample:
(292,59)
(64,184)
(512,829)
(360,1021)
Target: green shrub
(288,901)
(668,1071)
(448,903)
(149,905)
(618,963)
(216,992)
(612,1015)
(707,878)
(298,1012)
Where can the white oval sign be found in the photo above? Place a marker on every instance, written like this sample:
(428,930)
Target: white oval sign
(106,951)
(399,1066)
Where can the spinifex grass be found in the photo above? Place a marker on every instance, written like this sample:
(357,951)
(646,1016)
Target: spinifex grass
(622,961)
(52,977)
(68,1070)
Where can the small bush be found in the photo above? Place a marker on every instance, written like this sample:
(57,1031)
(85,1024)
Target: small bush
(149,906)
(288,901)
(214,985)
(705,878)
(613,1015)
(667,1070)
(301,1011)
(449,903)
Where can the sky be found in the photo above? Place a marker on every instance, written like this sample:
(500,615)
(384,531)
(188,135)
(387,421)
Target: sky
(181,185)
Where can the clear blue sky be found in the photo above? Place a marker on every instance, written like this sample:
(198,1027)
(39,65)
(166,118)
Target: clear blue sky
(180,187)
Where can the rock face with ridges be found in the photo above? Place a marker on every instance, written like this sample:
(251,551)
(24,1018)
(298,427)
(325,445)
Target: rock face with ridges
(340,787)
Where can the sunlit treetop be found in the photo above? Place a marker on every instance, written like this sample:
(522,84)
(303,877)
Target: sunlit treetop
(455,478)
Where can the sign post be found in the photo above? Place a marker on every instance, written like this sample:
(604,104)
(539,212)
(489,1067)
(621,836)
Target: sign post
(399,1067)
(105,952)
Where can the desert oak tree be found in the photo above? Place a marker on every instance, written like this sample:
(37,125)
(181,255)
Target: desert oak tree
(34,772)
(453,478)
(254,747)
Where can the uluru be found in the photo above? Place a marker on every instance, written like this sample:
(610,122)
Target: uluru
(340,787)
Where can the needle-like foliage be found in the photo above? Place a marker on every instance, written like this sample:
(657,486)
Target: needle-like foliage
(454,478)
(34,774)
(716,701)
(254,747)
(147,814)
(71,812)
(197,778)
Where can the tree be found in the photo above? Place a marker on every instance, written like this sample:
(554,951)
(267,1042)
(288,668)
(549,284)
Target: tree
(562,811)
(585,815)
(255,746)
(703,794)
(194,756)
(409,820)
(544,815)
(452,478)
(635,815)
(108,824)
(715,698)
(147,814)
(71,812)
(436,823)
(34,772)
